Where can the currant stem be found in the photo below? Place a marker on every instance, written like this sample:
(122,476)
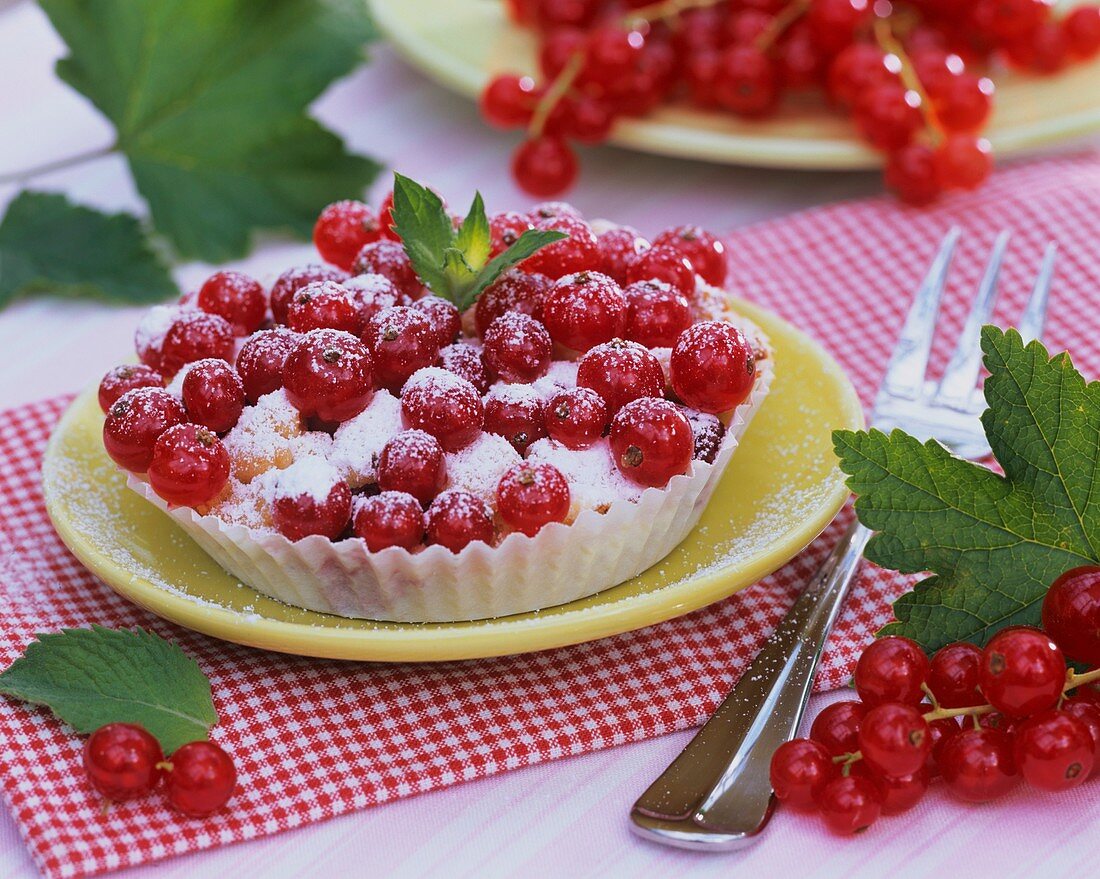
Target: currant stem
(1076,680)
(889,43)
(559,88)
(666,9)
(1073,680)
(57,165)
(787,16)
(972,710)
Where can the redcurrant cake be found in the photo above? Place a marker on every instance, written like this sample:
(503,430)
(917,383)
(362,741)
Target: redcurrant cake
(449,418)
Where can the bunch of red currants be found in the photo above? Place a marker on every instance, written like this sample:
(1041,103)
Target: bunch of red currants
(910,73)
(993,715)
(124,762)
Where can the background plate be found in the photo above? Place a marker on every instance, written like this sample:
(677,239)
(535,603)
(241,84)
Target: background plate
(780,490)
(461,42)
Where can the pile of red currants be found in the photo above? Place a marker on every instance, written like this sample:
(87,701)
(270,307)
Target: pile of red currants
(993,715)
(910,73)
(124,762)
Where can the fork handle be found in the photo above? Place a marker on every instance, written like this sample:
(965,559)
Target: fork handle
(716,794)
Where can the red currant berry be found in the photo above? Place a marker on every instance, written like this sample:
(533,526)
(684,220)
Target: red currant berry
(911,173)
(953,675)
(392,518)
(324,305)
(1089,714)
(444,405)
(444,318)
(505,230)
(941,731)
(513,291)
(328,374)
(150,332)
(996,721)
(621,371)
(1044,50)
(656,314)
(855,69)
(576,417)
(553,14)
(705,252)
(371,294)
(963,102)
(237,298)
(894,739)
(833,23)
(746,82)
(532,495)
(401,340)
(666,264)
(575,253)
(849,804)
(412,462)
(891,669)
(799,770)
(134,423)
(517,414)
(799,60)
(963,162)
(293,280)
(544,166)
(311,498)
(978,765)
(1054,751)
(261,359)
(342,230)
(121,761)
(457,518)
(1082,29)
(125,378)
(618,249)
(651,441)
(465,361)
(190,465)
(201,781)
(584,309)
(213,395)
(1022,671)
(1071,614)
(713,366)
(195,335)
(517,348)
(611,55)
(509,101)
(836,727)
(902,793)
(388,258)
(557,48)
(585,119)
(888,116)
(385,217)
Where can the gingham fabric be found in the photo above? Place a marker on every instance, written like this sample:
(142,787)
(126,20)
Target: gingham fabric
(313,739)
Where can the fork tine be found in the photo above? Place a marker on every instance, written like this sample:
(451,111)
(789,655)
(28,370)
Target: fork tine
(905,373)
(961,376)
(1034,317)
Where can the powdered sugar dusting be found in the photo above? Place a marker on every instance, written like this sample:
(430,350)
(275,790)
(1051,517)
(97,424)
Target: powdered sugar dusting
(358,442)
(310,477)
(261,438)
(561,375)
(477,468)
(594,480)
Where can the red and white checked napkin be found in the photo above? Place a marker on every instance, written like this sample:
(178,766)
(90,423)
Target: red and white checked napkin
(313,738)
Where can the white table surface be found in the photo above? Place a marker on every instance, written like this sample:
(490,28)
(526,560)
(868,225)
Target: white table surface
(562,819)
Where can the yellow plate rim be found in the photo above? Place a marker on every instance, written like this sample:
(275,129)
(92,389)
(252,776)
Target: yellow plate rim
(665,136)
(465,640)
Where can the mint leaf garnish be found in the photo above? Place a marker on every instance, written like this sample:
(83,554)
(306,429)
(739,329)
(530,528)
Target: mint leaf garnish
(90,677)
(453,263)
(104,256)
(209,101)
(993,543)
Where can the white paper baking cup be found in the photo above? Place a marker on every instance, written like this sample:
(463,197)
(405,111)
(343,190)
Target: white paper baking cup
(559,564)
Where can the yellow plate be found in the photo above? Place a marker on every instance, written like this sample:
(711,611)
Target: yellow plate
(780,490)
(461,42)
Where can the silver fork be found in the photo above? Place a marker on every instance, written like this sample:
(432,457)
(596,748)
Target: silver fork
(716,795)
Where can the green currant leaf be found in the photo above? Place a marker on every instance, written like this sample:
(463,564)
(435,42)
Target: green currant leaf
(473,238)
(105,256)
(425,230)
(209,100)
(90,677)
(993,543)
(523,247)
